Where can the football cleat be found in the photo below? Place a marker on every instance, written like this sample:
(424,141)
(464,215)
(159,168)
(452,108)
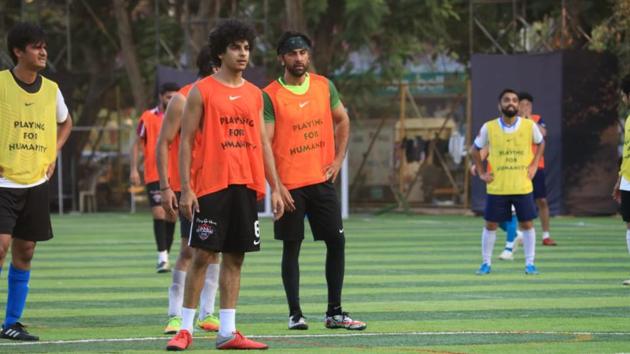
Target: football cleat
(626,282)
(238,341)
(483,269)
(181,341)
(209,323)
(173,325)
(549,242)
(343,320)
(297,322)
(163,267)
(530,269)
(17,331)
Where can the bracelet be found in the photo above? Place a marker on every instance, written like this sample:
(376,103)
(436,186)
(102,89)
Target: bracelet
(165,189)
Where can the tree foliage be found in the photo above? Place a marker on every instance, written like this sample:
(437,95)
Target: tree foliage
(388,34)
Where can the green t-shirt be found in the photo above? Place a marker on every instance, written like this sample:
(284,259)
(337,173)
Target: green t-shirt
(270,115)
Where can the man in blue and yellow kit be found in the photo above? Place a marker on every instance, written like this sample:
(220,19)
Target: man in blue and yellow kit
(509,139)
(34,124)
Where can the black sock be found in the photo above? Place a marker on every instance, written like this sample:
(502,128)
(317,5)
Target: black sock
(170,231)
(159,231)
(335,265)
(291,275)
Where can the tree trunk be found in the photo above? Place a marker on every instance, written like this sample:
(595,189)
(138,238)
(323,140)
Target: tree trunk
(200,25)
(102,77)
(330,24)
(295,15)
(129,55)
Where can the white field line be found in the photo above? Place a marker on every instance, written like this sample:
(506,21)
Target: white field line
(353,334)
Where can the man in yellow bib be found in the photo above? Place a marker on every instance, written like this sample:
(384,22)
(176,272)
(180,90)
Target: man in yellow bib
(509,139)
(34,124)
(621,191)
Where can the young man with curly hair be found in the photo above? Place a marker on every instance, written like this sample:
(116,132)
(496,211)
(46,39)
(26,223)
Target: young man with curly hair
(233,157)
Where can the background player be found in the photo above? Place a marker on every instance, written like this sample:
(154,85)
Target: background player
(621,191)
(148,131)
(34,125)
(309,128)
(525,106)
(170,187)
(509,139)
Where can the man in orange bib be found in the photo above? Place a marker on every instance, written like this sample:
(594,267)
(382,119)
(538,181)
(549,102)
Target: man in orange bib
(147,133)
(232,157)
(309,129)
(525,103)
(168,161)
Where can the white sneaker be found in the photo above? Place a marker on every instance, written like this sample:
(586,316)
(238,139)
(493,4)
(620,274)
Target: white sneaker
(163,267)
(297,322)
(506,256)
(626,282)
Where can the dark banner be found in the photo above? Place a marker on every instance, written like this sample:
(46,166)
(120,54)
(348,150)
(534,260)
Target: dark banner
(541,76)
(575,93)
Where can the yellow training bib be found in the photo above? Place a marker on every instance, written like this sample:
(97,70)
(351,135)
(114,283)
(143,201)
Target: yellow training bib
(509,155)
(28,129)
(625,164)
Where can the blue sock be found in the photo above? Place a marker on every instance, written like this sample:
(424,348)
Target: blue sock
(0,270)
(511,229)
(16,299)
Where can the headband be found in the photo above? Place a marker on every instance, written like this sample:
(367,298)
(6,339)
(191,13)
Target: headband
(293,43)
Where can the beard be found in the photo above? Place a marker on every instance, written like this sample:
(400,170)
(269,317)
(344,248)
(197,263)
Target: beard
(297,71)
(509,111)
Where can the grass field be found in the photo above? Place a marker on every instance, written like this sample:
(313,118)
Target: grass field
(94,289)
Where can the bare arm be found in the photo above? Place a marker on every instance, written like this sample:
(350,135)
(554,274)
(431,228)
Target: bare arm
(533,167)
(270,168)
(270,129)
(168,132)
(63,132)
(616,193)
(193,111)
(477,159)
(134,176)
(483,153)
(342,134)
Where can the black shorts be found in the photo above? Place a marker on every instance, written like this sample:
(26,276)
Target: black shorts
(153,193)
(184,224)
(499,207)
(227,221)
(540,189)
(320,204)
(25,213)
(624,208)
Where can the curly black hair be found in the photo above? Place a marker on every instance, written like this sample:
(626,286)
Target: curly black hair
(23,34)
(205,63)
(226,33)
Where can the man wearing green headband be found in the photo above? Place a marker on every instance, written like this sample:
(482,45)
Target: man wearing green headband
(309,129)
